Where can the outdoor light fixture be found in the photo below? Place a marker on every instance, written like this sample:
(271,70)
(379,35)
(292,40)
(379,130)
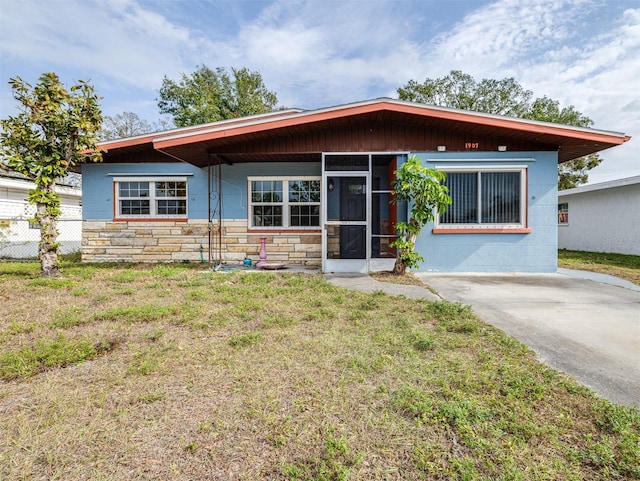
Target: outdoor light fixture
(442,148)
(330,185)
(502,148)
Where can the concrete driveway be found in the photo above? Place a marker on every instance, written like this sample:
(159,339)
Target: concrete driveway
(576,322)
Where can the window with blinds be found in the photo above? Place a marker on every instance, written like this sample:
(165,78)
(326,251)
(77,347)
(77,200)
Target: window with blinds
(485,199)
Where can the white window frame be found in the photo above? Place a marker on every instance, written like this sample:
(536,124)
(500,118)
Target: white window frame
(522,169)
(153,206)
(286,205)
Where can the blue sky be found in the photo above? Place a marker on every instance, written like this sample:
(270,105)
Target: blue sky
(318,53)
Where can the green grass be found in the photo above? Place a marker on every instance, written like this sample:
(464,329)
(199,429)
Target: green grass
(68,318)
(46,354)
(248,376)
(142,313)
(619,265)
(244,340)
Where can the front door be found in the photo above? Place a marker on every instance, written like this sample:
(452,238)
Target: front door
(358,217)
(346,222)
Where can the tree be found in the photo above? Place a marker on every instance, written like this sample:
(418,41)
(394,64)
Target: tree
(129,124)
(576,171)
(504,97)
(211,95)
(55,130)
(422,188)
(461,91)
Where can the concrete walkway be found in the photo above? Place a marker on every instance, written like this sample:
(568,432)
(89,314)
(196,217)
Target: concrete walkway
(585,324)
(365,283)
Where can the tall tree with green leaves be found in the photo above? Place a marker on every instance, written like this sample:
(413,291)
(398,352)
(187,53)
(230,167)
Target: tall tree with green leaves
(211,95)
(422,188)
(55,130)
(504,97)
(575,172)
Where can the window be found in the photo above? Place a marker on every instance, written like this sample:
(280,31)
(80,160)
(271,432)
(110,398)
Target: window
(284,202)
(488,198)
(151,198)
(563,213)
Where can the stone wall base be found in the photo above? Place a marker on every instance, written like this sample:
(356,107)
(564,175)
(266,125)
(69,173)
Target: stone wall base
(176,241)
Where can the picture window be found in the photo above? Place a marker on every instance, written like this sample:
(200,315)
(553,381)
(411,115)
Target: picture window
(485,199)
(151,198)
(284,202)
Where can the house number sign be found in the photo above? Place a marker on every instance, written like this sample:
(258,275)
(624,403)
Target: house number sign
(471,145)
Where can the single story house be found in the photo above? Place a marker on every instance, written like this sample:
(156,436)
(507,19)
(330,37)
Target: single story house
(316,185)
(19,238)
(603,217)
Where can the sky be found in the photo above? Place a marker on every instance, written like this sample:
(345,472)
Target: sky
(320,53)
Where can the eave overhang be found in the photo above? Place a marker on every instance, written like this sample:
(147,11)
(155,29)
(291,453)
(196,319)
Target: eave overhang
(197,144)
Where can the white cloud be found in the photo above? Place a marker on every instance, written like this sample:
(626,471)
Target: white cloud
(116,39)
(490,39)
(319,54)
(601,80)
(314,54)
(551,49)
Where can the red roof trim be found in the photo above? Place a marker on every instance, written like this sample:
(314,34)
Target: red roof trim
(216,131)
(296,117)
(148,138)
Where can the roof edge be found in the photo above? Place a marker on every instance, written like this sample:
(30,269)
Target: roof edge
(27,184)
(149,137)
(251,124)
(608,184)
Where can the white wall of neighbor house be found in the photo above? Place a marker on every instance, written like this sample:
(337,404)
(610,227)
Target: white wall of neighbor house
(602,217)
(19,238)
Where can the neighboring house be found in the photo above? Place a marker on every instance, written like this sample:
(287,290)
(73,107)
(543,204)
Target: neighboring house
(19,238)
(317,186)
(602,217)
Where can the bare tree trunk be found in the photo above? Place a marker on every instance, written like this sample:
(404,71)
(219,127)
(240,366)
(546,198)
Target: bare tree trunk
(48,247)
(399,268)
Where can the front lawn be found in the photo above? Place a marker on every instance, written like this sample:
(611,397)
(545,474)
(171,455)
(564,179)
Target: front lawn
(166,372)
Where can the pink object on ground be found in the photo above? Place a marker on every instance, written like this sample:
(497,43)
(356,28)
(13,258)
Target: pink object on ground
(263,253)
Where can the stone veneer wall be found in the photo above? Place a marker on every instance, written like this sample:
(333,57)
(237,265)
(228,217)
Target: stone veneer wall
(174,241)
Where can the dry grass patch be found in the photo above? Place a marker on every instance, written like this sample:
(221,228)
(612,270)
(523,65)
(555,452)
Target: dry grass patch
(407,279)
(284,377)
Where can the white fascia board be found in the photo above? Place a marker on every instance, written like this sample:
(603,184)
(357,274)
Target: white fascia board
(25,185)
(601,185)
(196,129)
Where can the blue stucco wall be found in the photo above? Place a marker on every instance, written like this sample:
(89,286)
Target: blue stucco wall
(97,185)
(533,252)
(234,185)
